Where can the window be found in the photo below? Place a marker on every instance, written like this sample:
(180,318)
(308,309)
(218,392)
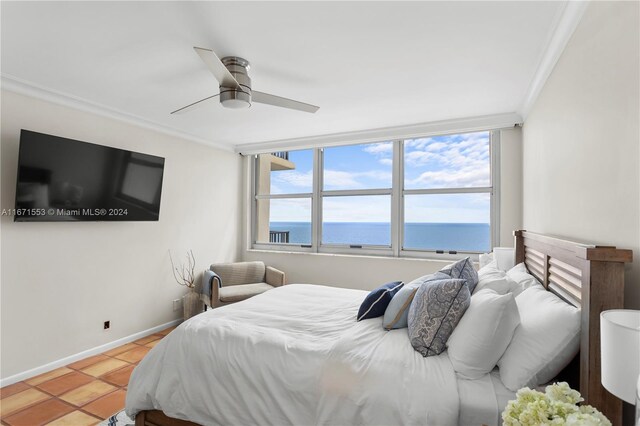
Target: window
(284,182)
(356,196)
(447,195)
(411,197)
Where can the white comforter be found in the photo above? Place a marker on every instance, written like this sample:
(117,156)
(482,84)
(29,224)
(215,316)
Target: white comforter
(293,355)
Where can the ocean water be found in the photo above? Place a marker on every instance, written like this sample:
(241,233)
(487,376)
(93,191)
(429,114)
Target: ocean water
(431,236)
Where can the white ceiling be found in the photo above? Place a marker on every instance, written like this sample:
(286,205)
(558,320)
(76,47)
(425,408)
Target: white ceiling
(366,64)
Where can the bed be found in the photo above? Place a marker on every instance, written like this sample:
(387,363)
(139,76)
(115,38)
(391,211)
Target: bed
(296,355)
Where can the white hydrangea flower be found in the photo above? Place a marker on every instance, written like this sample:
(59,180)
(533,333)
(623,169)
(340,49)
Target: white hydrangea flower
(563,393)
(557,406)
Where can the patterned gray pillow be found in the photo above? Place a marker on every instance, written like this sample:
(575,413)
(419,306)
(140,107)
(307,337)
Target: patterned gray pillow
(434,313)
(463,269)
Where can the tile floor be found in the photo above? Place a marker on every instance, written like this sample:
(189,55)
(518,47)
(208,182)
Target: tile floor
(83,393)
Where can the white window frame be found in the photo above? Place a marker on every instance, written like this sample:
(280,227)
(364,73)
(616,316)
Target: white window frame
(397,194)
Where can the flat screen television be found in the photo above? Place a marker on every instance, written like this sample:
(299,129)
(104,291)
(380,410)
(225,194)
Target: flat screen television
(63,179)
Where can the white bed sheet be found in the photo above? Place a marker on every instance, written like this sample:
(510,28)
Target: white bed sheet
(483,400)
(503,395)
(294,355)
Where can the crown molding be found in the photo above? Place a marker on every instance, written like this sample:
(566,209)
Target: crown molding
(22,87)
(465,125)
(566,24)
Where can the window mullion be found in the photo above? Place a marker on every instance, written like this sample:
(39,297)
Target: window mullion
(494,147)
(280,196)
(355,192)
(396,199)
(253,189)
(316,202)
(447,191)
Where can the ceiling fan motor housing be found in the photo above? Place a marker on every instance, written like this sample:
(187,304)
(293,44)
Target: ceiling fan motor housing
(237,98)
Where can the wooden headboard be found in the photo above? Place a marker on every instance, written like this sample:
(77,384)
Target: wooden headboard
(589,277)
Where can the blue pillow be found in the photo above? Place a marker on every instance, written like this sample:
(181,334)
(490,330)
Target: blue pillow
(377,301)
(396,314)
(463,269)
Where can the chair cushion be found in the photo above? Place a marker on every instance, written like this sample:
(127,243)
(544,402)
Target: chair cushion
(236,293)
(240,272)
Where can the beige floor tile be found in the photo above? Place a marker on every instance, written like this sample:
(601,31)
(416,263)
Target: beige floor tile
(119,377)
(120,349)
(167,330)
(149,339)
(48,376)
(152,344)
(84,363)
(77,418)
(104,367)
(107,405)
(13,389)
(134,355)
(87,393)
(21,400)
(39,414)
(65,383)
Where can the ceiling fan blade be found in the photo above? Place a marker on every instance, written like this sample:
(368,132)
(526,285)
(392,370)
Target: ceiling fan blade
(193,105)
(265,98)
(217,68)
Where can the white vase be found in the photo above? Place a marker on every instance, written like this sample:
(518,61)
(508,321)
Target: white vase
(191,304)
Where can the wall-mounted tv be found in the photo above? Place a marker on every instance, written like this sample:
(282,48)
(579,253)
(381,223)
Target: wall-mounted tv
(63,179)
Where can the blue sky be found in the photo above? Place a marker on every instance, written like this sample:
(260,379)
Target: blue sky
(436,162)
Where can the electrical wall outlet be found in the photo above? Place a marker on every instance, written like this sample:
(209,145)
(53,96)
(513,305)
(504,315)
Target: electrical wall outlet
(107,325)
(177,304)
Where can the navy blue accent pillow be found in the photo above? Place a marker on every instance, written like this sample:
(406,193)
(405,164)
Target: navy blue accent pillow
(377,301)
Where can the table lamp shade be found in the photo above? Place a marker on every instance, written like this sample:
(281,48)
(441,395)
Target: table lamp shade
(620,352)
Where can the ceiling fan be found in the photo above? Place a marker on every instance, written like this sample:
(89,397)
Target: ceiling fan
(235,85)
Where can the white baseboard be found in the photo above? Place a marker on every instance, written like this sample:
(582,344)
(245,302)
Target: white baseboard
(84,354)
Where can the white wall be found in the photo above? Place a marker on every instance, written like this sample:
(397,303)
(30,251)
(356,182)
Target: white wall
(60,281)
(581,139)
(368,272)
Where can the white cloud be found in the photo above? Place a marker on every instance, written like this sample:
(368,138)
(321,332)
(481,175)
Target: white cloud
(293,177)
(449,208)
(435,146)
(333,179)
(463,178)
(340,179)
(379,148)
(449,161)
(290,210)
(422,157)
(386,161)
(337,179)
(357,209)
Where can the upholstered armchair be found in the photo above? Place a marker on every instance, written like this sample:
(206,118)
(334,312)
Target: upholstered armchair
(242,280)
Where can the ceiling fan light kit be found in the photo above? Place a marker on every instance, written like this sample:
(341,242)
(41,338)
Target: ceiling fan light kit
(236,97)
(232,73)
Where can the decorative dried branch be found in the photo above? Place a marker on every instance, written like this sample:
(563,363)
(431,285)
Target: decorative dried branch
(186,275)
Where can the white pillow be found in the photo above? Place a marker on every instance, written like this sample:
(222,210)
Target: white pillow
(522,277)
(546,340)
(490,277)
(490,270)
(500,285)
(485,259)
(483,333)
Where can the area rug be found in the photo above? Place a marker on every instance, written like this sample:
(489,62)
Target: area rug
(118,419)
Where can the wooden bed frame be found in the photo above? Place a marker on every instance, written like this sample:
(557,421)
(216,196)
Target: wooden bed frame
(587,276)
